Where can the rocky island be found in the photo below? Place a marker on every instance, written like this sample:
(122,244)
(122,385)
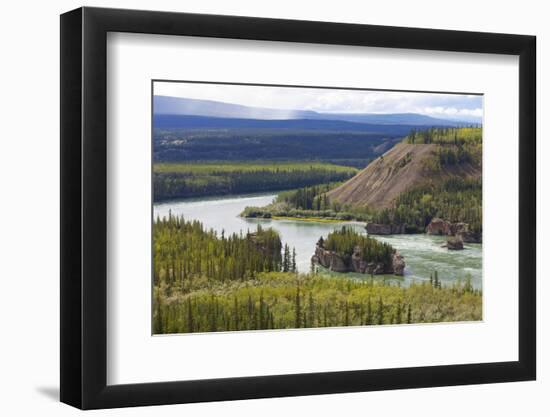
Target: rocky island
(459,230)
(346,250)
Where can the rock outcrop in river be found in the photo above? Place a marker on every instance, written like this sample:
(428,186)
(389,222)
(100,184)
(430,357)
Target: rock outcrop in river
(460,230)
(454,243)
(337,263)
(385,229)
(437,226)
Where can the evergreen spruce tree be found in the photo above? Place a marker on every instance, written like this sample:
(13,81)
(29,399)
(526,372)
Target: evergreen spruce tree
(250,308)
(190,324)
(380,312)
(436,280)
(286,258)
(297,309)
(399,313)
(271,321)
(262,317)
(236,313)
(368,319)
(211,316)
(311,311)
(158,325)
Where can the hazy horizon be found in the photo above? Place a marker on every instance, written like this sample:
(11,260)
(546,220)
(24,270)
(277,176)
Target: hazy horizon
(464,107)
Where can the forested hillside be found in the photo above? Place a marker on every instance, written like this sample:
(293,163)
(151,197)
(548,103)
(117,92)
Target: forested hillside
(455,200)
(433,173)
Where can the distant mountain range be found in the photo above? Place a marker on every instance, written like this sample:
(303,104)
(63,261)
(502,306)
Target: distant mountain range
(178,106)
(176,121)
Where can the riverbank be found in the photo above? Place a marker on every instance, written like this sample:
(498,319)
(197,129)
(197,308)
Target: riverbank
(308,219)
(273,210)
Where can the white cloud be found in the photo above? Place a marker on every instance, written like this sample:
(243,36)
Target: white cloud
(329,100)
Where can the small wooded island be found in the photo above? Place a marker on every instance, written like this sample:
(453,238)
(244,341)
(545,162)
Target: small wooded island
(345,250)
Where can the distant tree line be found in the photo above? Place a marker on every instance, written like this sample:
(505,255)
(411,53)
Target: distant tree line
(168,185)
(456,146)
(231,144)
(445,135)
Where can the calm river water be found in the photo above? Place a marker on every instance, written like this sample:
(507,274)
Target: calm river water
(423,254)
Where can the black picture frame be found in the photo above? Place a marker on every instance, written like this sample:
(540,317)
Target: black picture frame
(84,207)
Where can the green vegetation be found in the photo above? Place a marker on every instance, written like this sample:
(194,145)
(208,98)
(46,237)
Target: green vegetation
(286,300)
(344,241)
(307,203)
(204,282)
(445,136)
(308,219)
(183,180)
(307,198)
(455,200)
(220,167)
(456,146)
(275,211)
(184,251)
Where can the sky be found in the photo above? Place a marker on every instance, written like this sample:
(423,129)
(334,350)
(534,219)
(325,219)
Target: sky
(448,106)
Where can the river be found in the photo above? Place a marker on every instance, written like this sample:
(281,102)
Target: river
(423,253)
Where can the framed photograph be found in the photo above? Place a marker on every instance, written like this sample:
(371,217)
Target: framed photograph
(258,208)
